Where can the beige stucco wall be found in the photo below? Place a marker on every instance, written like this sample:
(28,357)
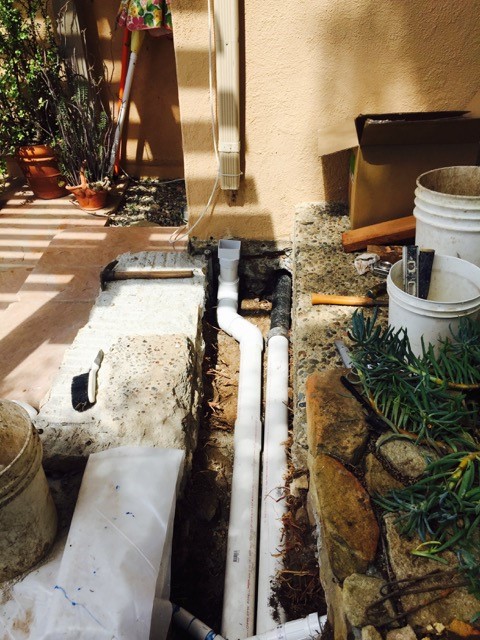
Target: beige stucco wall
(152,140)
(310,64)
(306,65)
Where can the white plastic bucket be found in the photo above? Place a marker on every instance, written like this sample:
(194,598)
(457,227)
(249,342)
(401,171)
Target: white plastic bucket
(28,519)
(447,212)
(454,293)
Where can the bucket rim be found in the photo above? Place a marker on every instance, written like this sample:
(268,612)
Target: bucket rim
(450,195)
(21,451)
(420,303)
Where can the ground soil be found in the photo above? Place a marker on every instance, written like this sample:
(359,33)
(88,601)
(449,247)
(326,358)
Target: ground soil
(200,533)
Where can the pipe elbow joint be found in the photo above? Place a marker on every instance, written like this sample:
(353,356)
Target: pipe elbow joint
(236,326)
(248,334)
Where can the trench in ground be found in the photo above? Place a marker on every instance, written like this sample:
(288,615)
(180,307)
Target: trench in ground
(201,524)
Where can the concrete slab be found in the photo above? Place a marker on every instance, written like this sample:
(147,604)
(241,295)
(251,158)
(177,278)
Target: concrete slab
(148,395)
(55,300)
(319,265)
(160,319)
(27,226)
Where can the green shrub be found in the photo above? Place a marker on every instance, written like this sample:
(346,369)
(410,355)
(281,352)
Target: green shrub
(28,50)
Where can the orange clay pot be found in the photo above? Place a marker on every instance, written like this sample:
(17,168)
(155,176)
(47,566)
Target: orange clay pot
(89,199)
(40,168)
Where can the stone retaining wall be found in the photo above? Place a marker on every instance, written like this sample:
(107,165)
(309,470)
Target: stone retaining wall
(348,465)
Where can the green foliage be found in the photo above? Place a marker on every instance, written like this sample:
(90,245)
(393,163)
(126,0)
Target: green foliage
(85,126)
(443,509)
(423,396)
(28,50)
(433,400)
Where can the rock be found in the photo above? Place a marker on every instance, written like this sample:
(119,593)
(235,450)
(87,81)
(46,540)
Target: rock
(360,592)
(404,633)
(335,420)
(299,484)
(404,457)
(370,633)
(333,596)
(459,604)
(311,511)
(348,526)
(463,630)
(301,517)
(377,478)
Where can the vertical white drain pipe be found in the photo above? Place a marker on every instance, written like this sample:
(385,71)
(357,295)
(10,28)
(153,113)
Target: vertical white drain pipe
(274,458)
(238,618)
(228,92)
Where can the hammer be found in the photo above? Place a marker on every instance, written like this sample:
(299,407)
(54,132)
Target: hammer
(110,274)
(370,300)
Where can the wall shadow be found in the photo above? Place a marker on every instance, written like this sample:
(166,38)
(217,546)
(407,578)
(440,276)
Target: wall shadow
(388,56)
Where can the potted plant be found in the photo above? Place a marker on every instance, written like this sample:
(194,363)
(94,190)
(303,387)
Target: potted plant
(28,49)
(85,133)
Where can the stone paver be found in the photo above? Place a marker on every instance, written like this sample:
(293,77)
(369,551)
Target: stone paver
(55,300)
(349,530)
(335,419)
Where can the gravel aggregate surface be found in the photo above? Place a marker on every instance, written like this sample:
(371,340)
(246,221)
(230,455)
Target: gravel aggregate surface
(151,201)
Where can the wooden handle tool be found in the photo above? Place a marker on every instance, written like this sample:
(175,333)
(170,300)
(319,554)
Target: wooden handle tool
(110,274)
(151,274)
(350,301)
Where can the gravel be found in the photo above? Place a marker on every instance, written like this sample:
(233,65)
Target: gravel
(152,201)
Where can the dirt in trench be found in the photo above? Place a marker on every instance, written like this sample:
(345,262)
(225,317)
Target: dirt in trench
(200,534)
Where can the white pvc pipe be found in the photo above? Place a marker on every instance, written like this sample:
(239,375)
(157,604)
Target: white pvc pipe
(302,629)
(273,502)
(240,572)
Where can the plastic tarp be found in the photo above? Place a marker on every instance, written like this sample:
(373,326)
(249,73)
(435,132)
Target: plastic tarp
(113,580)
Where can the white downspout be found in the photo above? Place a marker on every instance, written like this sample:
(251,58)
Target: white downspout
(238,618)
(228,92)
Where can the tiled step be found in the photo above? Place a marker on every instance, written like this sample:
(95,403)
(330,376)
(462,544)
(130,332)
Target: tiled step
(55,301)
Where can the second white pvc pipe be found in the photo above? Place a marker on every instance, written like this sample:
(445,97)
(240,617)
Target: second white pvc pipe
(273,503)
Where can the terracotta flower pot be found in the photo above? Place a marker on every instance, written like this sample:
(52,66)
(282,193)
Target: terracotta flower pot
(40,168)
(89,199)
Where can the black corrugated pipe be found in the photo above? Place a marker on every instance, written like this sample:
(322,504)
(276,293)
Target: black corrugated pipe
(281,304)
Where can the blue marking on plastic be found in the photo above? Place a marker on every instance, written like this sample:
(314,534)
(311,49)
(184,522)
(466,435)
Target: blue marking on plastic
(78,604)
(210,635)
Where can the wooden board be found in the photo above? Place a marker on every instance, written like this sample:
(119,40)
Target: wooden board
(381,233)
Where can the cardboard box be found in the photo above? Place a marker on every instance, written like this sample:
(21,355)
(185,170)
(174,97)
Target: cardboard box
(393,150)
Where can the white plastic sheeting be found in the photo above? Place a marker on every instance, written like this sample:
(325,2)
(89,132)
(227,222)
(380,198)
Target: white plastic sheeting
(113,580)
